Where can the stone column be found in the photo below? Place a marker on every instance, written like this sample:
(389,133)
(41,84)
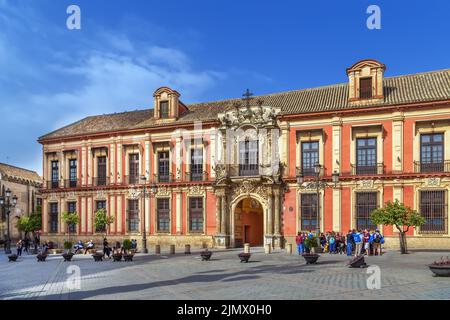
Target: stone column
(89,165)
(269,219)
(277,216)
(218,214)
(224,217)
(178,212)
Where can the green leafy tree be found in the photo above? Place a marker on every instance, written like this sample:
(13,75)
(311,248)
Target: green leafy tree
(31,223)
(398,215)
(102,221)
(71,219)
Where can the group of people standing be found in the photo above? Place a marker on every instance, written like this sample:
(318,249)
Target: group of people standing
(26,244)
(355,242)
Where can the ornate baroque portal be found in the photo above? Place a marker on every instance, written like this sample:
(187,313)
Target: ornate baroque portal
(248,168)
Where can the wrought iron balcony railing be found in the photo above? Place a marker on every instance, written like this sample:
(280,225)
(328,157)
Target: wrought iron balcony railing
(135,179)
(71,183)
(196,176)
(367,170)
(100,181)
(163,178)
(431,167)
(52,184)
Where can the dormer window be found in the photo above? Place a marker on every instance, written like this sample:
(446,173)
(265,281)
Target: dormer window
(167,104)
(164,109)
(366,82)
(365,88)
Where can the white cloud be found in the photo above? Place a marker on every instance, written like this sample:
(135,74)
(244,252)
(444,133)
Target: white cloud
(109,73)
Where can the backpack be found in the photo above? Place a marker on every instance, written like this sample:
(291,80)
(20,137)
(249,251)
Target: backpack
(331,240)
(357,237)
(377,238)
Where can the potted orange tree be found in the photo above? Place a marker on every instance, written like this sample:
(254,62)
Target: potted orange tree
(101,223)
(71,219)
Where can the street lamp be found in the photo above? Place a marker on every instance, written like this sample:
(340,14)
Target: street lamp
(317,184)
(153,190)
(7,203)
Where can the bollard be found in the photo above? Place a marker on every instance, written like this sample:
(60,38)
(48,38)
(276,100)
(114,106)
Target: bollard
(246,247)
(187,249)
(157,249)
(172,249)
(289,248)
(267,248)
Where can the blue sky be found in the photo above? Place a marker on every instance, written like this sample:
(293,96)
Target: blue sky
(207,50)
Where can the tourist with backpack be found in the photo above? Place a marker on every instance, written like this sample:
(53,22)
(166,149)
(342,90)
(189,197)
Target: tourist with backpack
(357,237)
(378,240)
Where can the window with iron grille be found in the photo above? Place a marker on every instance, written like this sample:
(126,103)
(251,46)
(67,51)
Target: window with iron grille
(133,215)
(366,202)
(365,88)
(163,166)
(433,207)
(196,214)
(133,160)
(73,173)
(196,164)
(310,156)
(163,215)
(248,158)
(164,109)
(366,156)
(432,152)
(55,174)
(308,212)
(71,208)
(53,217)
(101,171)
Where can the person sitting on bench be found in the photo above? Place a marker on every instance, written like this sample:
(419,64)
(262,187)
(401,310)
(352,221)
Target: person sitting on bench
(89,246)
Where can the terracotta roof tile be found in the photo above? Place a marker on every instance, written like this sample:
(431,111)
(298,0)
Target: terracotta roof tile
(19,173)
(420,87)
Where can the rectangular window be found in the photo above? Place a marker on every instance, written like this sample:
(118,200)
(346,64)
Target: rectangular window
(163,215)
(248,158)
(310,156)
(55,174)
(196,164)
(101,204)
(164,109)
(433,207)
(133,161)
(365,88)
(133,215)
(308,212)
(366,202)
(163,166)
(432,152)
(71,208)
(53,217)
(196,214)
(366,156)
(73,173)
(101,171)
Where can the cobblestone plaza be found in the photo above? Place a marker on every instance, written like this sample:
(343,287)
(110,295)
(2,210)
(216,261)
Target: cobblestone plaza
(277,276)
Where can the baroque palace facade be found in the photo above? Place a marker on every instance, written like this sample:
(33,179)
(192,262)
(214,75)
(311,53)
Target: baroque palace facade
(239,171)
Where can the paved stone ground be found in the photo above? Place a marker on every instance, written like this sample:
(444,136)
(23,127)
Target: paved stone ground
(274,276)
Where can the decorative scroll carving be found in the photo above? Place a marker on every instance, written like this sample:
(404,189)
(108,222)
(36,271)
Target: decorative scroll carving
(163,191)
(248,187)
(433,182)
(366,184)
(196,190)
(259,116)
